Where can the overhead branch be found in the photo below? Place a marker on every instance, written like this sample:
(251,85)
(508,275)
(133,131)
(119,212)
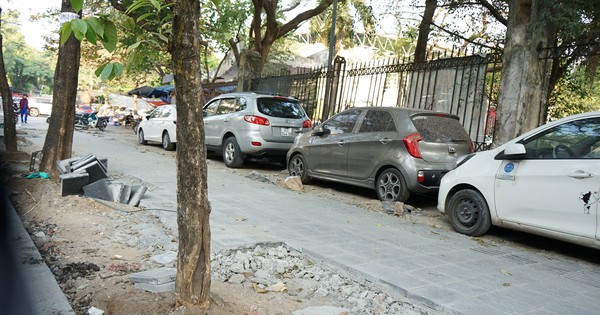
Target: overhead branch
(494,11)
(295,22)
(464,38)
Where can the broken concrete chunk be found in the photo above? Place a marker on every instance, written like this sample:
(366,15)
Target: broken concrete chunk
(154,276)
(73,183)
(137,192)
(293,183)
(82,161)
(98,190)
(156,288)
(116,191)
(95,311)
(64,166)
(125,194)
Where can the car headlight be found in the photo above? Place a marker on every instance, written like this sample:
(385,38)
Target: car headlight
(462,160)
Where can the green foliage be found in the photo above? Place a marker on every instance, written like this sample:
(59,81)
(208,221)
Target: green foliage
(109,71)
(572,95)
(77,5)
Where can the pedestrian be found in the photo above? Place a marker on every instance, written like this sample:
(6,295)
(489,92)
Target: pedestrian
(24,108)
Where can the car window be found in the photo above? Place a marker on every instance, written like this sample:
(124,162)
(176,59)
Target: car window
(226,106)
(210,109)
(280,107)
(156,113)
(343,122)
(573,140)
(166,112)
(440,128)
(241,104)
(377,121)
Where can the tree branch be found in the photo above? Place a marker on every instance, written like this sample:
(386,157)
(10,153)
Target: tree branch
(494,12)
(464,38)
(295,22)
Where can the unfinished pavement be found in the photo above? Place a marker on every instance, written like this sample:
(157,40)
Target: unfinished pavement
(447,271)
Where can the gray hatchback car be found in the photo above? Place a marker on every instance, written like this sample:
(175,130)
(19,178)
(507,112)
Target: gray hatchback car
(252,124)
(395,151)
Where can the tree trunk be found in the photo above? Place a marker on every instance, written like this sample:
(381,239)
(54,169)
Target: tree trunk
(521,99)
(59,138)
(192,286)
(424,29)
(10,133)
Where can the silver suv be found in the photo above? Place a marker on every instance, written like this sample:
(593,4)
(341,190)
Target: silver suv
(395,151)
(248,123)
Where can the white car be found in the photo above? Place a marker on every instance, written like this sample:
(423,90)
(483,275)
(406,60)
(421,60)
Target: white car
(545,182)
(159,126)
(40,106)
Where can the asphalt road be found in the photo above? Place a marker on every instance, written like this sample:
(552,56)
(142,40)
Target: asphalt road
(120,143)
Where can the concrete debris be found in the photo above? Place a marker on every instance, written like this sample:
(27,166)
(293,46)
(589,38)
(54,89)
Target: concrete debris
(278,269)
(95,311)
(293,183)
(155,280)
(88,176)
(254,175)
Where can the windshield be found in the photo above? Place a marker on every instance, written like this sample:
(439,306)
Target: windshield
(280,107)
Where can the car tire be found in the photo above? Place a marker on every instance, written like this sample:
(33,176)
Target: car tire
(468,213)
(232,156)
(298,167)
(48,119)
(166,142)
(140,137)
(391,186)
(34,112)
(102,124)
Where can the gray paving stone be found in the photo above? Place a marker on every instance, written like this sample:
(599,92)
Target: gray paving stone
(505,303)
(435,296)
(472,306)
(73,183)
(154,276)
(156,288)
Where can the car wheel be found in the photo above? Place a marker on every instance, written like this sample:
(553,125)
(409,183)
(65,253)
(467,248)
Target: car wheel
(298,167)
(469,213)
(34,112)
(391,186)
(48,119)
(231,153)
(166,142)
(141,139)
(102,125)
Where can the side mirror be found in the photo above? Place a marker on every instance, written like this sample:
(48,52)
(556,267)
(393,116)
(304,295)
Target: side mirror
(321,131)
(514,151)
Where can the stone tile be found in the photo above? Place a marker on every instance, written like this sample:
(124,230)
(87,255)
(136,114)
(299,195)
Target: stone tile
(505,303)
(472,306)
(435,296)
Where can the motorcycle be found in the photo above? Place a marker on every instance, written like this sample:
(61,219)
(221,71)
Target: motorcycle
(87,120)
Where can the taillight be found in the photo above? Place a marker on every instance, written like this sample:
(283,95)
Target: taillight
(307,124)
(257,120)
(420,176)
(412,144)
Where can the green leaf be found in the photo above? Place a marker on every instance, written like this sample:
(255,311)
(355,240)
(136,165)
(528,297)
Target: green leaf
(77,5)
(145,15)
(136,5)
(156,4)
(97,25)
(99,70)
(65,32)
(106,72)
(134,46)
(79,28)
(163,38)
(117,70)
(90,35)
(110,36)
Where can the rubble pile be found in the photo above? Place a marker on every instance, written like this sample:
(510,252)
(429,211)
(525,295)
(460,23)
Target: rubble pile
(276,268)
(88,176)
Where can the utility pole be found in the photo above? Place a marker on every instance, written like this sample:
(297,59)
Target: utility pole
(329,81)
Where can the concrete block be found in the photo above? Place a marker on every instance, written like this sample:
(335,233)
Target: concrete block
(98,190)
(73,183)
(104,162)
(64,166)
(137,192)
(95,170)
(156,288)
(82,161)
(125,194)
(116,190)
(154,276)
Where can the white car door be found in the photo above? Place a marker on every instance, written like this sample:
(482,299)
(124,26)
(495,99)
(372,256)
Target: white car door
(154,125)
(556,186)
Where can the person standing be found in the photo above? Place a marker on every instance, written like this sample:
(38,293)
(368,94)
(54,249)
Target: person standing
(24,108)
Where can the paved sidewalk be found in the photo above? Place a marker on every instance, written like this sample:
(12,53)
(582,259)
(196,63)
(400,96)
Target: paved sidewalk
(449,272)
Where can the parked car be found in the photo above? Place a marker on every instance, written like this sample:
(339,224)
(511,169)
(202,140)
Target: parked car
(252,124)
(39,106)
(544,182)
(159,126)
(395,151)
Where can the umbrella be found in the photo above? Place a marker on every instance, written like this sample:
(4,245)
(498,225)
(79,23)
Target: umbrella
(142,91)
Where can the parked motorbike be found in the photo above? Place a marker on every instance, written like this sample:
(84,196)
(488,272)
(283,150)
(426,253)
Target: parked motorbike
(87,120)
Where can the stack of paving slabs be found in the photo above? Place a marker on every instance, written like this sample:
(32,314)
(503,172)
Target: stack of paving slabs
(155,280)
(88,176)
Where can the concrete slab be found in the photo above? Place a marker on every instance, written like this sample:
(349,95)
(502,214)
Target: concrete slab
(156,288)
(94,169)
(64,166)
(116,190)
(98,190)
(154,276)
(125,194)
(73,183)
(82,161)
(137,192)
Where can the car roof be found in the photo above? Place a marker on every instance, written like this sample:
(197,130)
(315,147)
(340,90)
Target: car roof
(408,111)
(253,94)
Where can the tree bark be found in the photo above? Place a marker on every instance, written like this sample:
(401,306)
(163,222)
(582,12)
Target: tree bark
(192,286)
(10,133)
(424,29)
(59,138)
(521,101)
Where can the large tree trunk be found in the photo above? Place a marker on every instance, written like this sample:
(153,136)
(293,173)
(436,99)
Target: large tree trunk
(59,138)
(521,100)
(192,286)
(424,29)
(10,134)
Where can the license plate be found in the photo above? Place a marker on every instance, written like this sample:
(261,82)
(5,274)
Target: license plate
(286,132)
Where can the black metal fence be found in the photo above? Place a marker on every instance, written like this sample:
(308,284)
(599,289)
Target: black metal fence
(463,85)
